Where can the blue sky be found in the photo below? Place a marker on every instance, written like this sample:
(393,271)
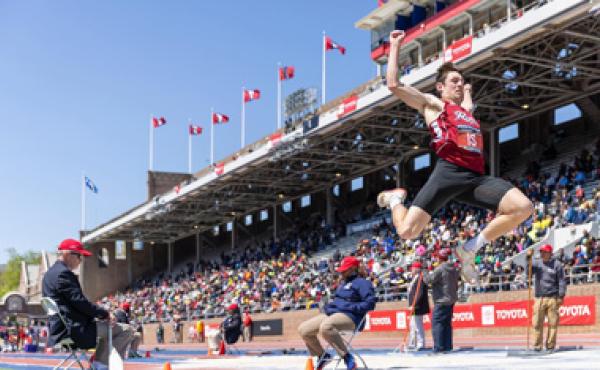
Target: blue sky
(79,79)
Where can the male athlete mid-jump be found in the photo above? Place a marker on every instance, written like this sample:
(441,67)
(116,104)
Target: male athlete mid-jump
(459,173)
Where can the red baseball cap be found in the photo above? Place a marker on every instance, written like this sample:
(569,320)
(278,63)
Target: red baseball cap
(347,263)
(126,306)
(546,248)
(232,307)
(74,246)
(416,265)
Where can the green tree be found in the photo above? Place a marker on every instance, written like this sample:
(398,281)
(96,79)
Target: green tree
(9,279)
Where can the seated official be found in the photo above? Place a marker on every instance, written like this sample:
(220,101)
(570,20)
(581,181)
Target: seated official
(62,285)
(354,297)
(122,316)
(232,325)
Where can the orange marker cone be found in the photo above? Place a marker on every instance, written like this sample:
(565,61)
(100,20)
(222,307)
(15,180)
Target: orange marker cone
(222,348)
(167,366)
(309,364)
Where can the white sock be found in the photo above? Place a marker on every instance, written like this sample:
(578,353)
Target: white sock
(474,244)
(395,201)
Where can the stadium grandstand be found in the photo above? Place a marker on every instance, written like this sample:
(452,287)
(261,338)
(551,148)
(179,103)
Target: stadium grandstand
(266,226)
(298,191)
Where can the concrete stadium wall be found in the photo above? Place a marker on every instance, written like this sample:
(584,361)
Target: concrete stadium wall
(98,282)
(292,319)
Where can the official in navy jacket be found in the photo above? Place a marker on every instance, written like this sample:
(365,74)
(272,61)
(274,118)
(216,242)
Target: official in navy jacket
(354,297)
(62,285)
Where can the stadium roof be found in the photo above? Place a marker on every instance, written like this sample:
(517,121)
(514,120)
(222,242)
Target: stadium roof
(383,13)
(368,129)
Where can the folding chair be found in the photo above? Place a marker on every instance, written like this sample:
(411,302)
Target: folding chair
(348,337)
(76,355)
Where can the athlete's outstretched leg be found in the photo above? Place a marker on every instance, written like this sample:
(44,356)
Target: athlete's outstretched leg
(513,209)
(408,222)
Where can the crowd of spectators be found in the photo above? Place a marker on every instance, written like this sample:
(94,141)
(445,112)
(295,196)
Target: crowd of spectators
(278,274)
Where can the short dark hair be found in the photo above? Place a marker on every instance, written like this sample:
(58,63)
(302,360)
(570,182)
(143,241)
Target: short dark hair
(443,71)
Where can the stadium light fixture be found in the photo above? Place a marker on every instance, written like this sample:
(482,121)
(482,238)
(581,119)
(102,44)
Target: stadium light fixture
(338,175)
(280,196)
(525,106)
(415,147)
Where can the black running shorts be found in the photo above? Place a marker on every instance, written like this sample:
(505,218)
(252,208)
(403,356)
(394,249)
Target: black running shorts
(451,182)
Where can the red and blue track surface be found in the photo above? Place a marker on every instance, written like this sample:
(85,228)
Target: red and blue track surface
(470,352)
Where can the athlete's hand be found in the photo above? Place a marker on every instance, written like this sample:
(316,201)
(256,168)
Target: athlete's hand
(467,88)
(396,37)
(530,252)
(559,302)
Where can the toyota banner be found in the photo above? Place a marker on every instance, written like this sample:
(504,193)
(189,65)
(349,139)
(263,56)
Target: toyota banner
(579,310)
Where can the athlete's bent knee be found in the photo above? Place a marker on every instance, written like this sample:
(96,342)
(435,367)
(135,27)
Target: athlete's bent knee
(525,209)
(407,232)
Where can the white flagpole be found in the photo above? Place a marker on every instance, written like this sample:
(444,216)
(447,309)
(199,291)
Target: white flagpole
(151,145)
(278,97)
(189,146)
(243,119)
(212,138)
(323,69)
(82,201)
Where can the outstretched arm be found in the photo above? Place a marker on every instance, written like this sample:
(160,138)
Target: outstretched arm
(467,102)
(408,94)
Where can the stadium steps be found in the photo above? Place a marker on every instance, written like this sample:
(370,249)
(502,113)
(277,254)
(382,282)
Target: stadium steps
(345,245)
(589,188)
(568,149)
(576,233)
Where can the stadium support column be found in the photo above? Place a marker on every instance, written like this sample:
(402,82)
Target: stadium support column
(197,248)
(419,54)
(329,207)
(233,234)
(129,251)
(444,38)
(398,173)
(493,153)
(170,257)
(470,23)
(274,221)
(152,251)
(508,10)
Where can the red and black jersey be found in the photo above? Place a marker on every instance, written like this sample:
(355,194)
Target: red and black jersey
(456,137)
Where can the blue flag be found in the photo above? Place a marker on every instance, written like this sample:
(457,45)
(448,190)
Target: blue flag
(90,185)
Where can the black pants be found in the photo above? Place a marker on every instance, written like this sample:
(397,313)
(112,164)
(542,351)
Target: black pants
(441,327)
(451,182)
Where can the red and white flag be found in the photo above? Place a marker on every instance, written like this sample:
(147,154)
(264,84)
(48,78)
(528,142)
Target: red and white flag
(330,45)
(157,122)
(274,139)
(250,95)
(220,169)
(219,118)
(286,73)
(195,130)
